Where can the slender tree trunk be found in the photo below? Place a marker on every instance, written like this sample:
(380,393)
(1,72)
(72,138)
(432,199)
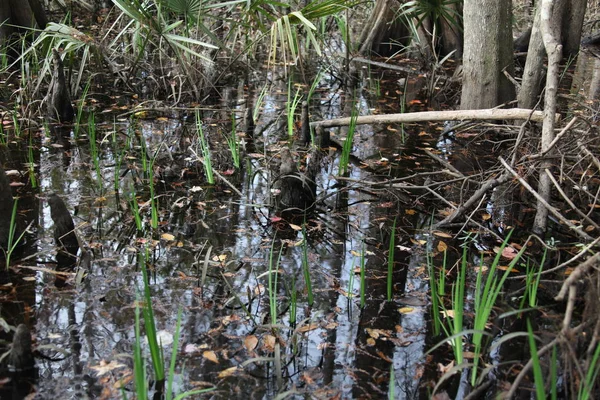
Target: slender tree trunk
(550,24)
(383,31)
(572,25)
(488,51)
(531,86)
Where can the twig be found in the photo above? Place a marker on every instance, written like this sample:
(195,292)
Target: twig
(577,274)
(550,208)
(583,251)
(490,184)
(569,202)
(444,162)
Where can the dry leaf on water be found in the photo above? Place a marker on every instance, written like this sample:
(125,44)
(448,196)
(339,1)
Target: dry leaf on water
(211,355)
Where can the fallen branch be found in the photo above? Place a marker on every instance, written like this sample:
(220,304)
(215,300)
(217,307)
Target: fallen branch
(427,116)
(490,184)
(579,272)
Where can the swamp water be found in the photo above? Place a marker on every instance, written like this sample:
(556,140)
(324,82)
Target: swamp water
(246,330)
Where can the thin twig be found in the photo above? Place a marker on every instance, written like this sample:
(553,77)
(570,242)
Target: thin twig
(577,274)
(550,208)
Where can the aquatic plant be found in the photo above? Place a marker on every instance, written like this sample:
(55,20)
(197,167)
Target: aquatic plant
(306,267)
(31,163)
(12,242)
(537,368)
(435,288)
(363,282)
(290,108)
(347,148)
(391,252)
(94,154)
(149,321)
(232,143)
(80,106)
(205,150)
(485,298)
(272,277)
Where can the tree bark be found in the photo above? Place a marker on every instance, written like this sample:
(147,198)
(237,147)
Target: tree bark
(531,86)
(488,51)
(572,25)
(381,30)
(550,24)
(59,100)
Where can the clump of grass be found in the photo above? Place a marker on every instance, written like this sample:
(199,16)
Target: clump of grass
(306,267)
(94,154)
(486,296)
(390,274)
(233,144)
(347,148)
(290,107)
(205,151)
(31,163)
(12,231)
(363,282)
(273,276)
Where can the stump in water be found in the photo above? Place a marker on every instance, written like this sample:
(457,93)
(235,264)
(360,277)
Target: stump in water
(297,191)
(59,99)
(64,236)
(21,355)
(6,209)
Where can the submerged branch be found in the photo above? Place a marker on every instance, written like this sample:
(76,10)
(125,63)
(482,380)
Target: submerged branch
(427,116)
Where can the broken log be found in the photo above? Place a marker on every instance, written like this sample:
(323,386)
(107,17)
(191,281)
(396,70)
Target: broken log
(428,116)
(297,191)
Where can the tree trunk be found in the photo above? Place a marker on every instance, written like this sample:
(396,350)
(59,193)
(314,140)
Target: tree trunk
(18,13)
(383,32)
(531,86)
(59,100)
(571,26)
(488,50)
(550,24)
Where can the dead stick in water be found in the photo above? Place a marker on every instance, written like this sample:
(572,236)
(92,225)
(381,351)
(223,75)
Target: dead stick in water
(427,116)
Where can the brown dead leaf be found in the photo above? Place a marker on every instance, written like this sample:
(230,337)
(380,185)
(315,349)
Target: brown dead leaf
(269,342)
(167,236)
(370,342)
(211,356)
(442,234)
(442,246)
(250,342)
(307,328)
(295,227)
(406,310)
(106,367)
(228,372)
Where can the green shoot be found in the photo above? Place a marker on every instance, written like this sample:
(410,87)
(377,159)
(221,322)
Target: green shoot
(390,274)
(538,376)
(306,268)
(347,148)
(205,151)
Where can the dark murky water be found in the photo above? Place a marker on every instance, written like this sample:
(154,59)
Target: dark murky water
(210,258)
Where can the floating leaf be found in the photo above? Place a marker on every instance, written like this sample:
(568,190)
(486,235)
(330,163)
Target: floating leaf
(167,236)
(211,355)
(406,310)
(442,234)
(250,342)
(410,211)
(269,342)
(295,227)
(307,328)
(105,367)
(355,253)
(228,372)
(442,246)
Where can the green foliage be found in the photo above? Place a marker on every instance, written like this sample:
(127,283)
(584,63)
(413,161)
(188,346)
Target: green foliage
(347,148)
(205,150)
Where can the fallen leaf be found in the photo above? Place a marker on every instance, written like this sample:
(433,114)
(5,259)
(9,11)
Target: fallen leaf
(228,372)
(211,355)
(307,328)
(406,310)
(167,236)
(250,342)
(442,234)
(105,367)
(442,246)
(295,227)
(269,342)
